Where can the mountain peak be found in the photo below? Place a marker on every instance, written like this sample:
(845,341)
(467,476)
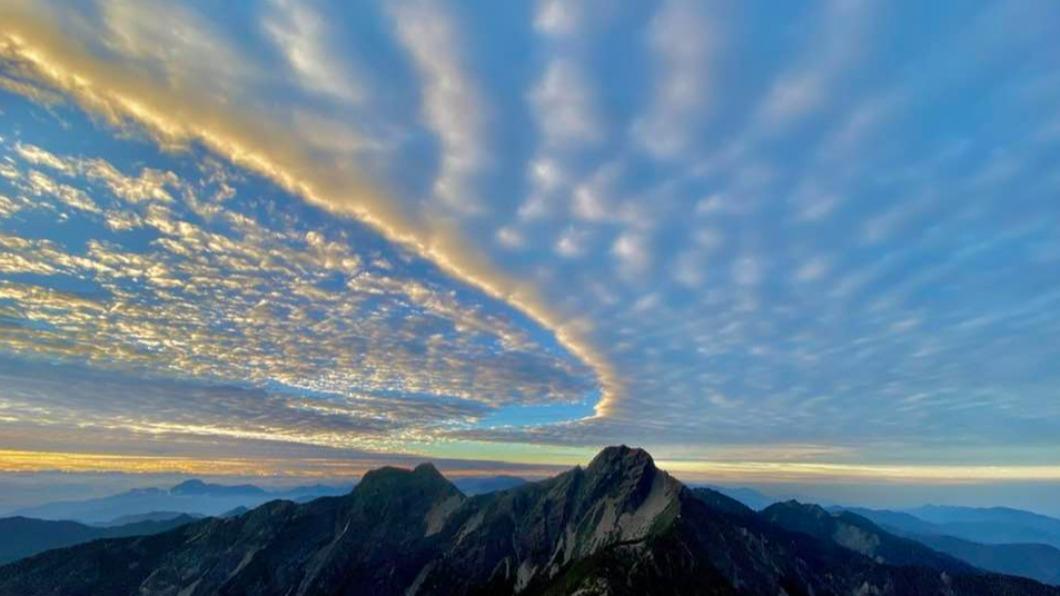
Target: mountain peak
(621,457)
(627,476)
(427,470)
(198,487)
(424,478)
(792,507)
(189,486)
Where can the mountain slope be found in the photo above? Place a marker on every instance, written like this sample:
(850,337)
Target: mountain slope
(618,526)
(748,496)
(860,535)
(897,522)
(22,537)
(480,485)
(1036,561)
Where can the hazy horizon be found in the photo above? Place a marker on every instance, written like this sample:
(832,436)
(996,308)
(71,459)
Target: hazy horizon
(32,489)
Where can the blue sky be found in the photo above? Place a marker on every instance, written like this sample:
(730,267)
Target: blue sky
(809,243)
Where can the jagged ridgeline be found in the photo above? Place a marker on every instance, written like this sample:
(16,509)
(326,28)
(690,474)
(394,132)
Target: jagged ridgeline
(619,526)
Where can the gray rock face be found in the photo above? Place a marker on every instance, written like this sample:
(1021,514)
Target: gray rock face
(619,526)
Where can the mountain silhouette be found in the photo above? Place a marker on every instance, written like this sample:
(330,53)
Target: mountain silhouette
(1040,561)
(618,526)
(21,536)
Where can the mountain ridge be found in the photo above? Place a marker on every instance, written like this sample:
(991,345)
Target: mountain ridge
(197,497)
(22,537)
(860,535)
(193,496)
(1039,561)
(617,526)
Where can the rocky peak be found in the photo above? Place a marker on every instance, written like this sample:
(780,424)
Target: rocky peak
(621,456)
(423,482)
(622,473)
(427,470)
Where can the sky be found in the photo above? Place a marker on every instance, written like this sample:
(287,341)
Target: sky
(809,243)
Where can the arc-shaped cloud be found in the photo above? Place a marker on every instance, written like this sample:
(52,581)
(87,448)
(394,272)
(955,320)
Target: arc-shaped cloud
(44,61)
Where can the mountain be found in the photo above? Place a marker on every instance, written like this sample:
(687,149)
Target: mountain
(858,534)
(303,494)
(193,497)
(157,516)
(748,496)
(991,525)
(21,537)
(723,503)
(896,521)
(480,485)
(195,487)
(618,526)
(235,512)
(1036,561)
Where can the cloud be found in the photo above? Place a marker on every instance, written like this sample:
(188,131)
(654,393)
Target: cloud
(557,17)
(590,205)
(682,40)
(33,47)
(547,181)
(812,270)
(40,184)
(595,197)
(563,106)
(301,35)
(452,107)
(747,271)
(841,198)
(571,243)
(805,87)
(39,157)
(510,237)
(181,46)
(689,269)
(632,252)
(361,354)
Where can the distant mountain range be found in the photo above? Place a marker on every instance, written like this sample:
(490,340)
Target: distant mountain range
(976,535)
(991,525)
(859,534)
(748,496)
(198,498)
(21,537)
(619,526)
(480,485)
(999,539)
(193,497)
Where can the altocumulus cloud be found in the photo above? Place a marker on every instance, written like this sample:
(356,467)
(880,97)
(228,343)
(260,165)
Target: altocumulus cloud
(834,231)
(326,333)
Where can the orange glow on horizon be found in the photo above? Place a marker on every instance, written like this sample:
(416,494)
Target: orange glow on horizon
(17,461)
